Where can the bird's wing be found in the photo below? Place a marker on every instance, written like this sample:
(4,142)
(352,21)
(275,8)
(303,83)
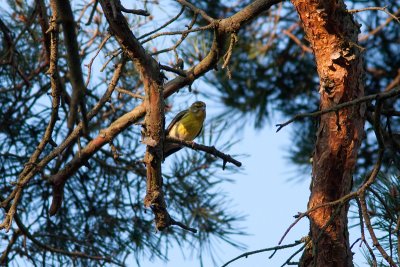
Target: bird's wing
(177,118)
(199,131)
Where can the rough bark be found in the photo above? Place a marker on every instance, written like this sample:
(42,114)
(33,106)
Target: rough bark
(154,102)
(333,33)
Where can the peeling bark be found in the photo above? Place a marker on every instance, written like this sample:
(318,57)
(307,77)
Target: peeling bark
(333,34)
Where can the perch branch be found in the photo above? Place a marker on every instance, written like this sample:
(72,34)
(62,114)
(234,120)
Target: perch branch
(208,149)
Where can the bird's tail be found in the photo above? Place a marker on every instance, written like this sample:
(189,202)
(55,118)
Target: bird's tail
(171,148)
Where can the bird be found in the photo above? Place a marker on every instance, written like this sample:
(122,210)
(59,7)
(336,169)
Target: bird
(186,125)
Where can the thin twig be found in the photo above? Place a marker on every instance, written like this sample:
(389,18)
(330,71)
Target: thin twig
(363,239)
(183,37)
(203,28)
(164,25)
(377,29)
(382,95)
(295,253)
(196,10)
(113,55)
(89,66)
(127,92)
(384,9)
(372,232)
(304,47)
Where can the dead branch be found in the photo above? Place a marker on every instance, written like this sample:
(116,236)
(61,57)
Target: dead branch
(199,29)
(96,2)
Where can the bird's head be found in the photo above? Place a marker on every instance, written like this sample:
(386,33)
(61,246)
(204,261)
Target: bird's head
(198,107)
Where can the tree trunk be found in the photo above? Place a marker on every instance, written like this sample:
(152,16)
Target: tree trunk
(333,34)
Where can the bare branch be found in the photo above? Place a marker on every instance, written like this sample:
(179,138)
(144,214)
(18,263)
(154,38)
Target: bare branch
(246,254)
(377,29)
(297,41)
(196,10)
(89,66)
(384,9)
(127,92)
(164,25)
(382,95)
(372,232)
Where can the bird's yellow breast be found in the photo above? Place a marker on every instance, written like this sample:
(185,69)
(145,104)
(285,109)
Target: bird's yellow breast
(188,127)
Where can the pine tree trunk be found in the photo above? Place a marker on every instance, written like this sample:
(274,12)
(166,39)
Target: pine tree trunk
(333,34)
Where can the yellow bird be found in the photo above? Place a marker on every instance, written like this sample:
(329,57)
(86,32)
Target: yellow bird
(186,125)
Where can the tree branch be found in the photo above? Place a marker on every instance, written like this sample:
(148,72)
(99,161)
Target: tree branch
(66,17)
(164,25)
(384,9)
(196,10)
(246,254)
(383,95)
(139,12)
(208,149)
